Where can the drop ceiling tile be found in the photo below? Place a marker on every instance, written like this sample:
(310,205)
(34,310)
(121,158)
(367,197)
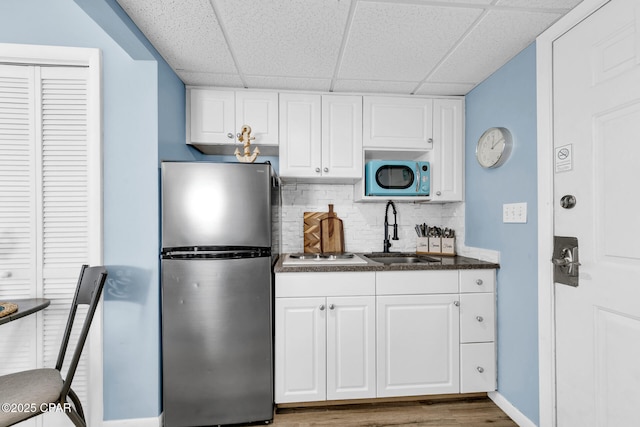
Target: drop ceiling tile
(288,83)
(209,79)
(498,37)
(401,41)
(445,88)
(189,38)
(377,86)
(285,37)
(540,4)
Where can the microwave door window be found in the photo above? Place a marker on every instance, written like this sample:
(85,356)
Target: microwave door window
(395,177)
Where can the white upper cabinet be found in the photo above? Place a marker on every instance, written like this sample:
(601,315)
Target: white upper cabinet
(397,123)
(215,117)
(320,137)
(342,136)
(447,163)
(300,136)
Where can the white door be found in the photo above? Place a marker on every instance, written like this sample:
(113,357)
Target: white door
(300,348)
(260,111)
(418,345)
(342,136)
(212,116)
(596,84)
(351,347)
(397,123)
(300,135)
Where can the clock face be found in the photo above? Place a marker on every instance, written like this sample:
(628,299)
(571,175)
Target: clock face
(494,147)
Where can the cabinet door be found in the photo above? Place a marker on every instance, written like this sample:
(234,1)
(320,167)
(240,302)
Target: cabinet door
(397,123)
(418,345)
(260,111)
(477,367)
(300,369)
(342,136)
(211,115)
(447,167)
(351,369)
(300,135)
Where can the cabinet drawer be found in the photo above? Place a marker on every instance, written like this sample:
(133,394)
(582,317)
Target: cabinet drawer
(477,281)
(477,317)
(477,367)
(325,284)
(416,282)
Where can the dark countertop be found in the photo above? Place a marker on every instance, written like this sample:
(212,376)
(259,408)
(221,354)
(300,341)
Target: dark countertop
(444,263)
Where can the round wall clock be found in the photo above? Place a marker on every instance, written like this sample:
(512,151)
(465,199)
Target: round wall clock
(494,147)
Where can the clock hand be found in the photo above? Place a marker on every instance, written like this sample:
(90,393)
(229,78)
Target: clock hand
(496,143)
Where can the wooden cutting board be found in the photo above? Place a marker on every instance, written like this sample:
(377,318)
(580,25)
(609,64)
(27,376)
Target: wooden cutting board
(312,231)
(331,233)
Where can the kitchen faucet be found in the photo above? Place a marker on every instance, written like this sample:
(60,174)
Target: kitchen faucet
(387,243)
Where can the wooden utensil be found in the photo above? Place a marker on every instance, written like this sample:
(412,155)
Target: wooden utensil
(331,233)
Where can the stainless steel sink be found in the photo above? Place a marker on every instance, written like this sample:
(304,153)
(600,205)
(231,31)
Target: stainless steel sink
(400,258)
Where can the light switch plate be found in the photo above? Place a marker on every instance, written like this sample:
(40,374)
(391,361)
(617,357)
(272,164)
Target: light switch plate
(514,213)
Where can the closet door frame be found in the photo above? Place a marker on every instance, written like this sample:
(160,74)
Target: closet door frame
(20,54)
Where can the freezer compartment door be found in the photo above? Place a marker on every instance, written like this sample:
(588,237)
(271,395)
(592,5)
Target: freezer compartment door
(217,341)
(222,204)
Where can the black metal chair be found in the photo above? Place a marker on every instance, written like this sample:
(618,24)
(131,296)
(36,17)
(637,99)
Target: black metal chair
(30,393)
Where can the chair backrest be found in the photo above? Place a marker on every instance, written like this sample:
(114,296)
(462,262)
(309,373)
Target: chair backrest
(88,291)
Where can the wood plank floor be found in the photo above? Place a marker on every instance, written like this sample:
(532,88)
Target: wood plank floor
(471,412)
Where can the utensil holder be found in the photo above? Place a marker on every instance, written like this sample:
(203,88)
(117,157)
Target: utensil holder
(442,246)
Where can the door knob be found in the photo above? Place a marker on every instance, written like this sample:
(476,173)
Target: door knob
(566,261)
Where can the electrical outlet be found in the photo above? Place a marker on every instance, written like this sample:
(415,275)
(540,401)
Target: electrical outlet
(514,213)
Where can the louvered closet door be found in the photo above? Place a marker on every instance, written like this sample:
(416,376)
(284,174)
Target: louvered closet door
(44,210)
(17,213)
(64,209)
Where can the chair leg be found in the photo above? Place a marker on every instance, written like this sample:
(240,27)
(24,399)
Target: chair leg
(76,414)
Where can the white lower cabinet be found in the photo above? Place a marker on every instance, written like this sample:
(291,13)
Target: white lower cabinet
(355,335)
(418,345)
(325,346)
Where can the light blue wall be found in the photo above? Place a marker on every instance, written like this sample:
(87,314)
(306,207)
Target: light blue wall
(143,104)
(508,99)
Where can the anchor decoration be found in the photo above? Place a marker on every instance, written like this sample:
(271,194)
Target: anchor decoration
(245,137)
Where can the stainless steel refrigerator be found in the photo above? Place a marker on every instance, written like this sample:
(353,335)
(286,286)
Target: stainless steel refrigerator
(219,240)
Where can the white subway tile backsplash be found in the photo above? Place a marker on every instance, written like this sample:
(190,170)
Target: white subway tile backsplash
(363,222)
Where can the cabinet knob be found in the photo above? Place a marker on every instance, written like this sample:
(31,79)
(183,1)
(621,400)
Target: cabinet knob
(438,193)
(479,282)
(321,307)
(331,306)
(430,140)
(5,274)
(479,318)
(480,369)
(318,170)
(230,135)
(456,303)
(326,169)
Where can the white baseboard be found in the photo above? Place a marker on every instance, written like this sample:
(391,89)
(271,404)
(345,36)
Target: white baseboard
(135,422)
(510,410)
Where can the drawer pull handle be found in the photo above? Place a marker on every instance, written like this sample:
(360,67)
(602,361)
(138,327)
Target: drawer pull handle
(479,318)
(480,369)
(479,282)
(321,307)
